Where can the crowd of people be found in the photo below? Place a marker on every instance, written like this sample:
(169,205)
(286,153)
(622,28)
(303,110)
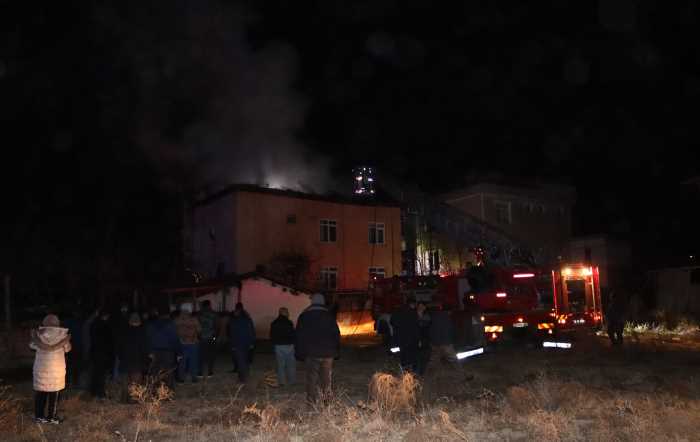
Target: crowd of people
(173,347)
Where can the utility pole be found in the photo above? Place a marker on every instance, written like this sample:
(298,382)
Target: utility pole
(8,315)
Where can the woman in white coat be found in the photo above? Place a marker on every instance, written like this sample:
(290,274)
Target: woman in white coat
(51,343)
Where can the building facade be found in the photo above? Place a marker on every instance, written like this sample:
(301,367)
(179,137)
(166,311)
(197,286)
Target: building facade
(338,243)
(536,215)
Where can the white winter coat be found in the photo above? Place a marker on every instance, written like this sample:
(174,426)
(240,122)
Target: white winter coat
(51,345)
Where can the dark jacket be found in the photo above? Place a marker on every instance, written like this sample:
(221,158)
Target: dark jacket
(134,350)
(405,324)
(317,335)
(207,319)
(101,341)
(441,328)
(241,331)
(162,336)
(282,331)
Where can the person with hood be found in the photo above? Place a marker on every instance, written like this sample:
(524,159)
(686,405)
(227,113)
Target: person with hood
(188,330)
(317,344)
(166,348)
(102,353)
(51,343)
(282,337)
(407,334)
(134,354)
(241,335)
(207,339)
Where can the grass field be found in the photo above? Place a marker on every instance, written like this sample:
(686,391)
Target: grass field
(650,390)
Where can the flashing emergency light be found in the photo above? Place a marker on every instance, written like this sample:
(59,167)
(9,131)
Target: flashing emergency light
(470,353)
(549,344)
(524,275)
(395,349)
(501,295)
(566,271)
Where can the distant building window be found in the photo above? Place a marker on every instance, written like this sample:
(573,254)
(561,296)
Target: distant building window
(503,212)
(376,233)
(376,273)
(695,276)
(291,219)
(328,230)
(328,278)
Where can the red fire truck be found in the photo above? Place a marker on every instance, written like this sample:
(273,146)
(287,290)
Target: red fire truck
(513,301)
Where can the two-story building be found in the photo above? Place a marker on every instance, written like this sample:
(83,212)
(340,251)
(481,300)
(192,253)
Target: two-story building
(537,215)
(339,241)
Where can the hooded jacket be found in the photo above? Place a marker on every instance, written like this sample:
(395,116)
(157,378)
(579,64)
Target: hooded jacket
(51,345)
(317,334)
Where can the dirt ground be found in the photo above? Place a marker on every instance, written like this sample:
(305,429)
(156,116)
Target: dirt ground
(648,390)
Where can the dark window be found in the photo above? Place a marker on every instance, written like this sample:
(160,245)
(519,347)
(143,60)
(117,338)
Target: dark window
(328,230)
(376,233)
(291,219)
(329,278)
(503,212)
(376,272)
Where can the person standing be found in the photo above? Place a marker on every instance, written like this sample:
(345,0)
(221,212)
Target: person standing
(188,330)
(102,353)
(282,337)
(423,338)
(317,344)
(616,318)
(74,359)
(51,343)
(442,336)
(207,340)
(241,336)
(166,348)
(407,334)
(134,354)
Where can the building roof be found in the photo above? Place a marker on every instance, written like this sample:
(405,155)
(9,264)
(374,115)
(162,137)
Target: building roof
(540,191)
(379,199)
(228,280)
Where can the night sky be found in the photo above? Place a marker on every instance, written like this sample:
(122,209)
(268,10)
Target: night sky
(112,114)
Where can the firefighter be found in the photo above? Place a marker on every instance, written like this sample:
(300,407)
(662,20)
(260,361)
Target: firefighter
(442,336)
(424,337)
(475,323)
(616,318)
(407,334)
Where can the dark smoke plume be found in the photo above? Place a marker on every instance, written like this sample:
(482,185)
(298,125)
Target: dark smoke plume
(211,110)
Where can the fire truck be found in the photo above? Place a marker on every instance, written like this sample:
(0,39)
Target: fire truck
(517,301)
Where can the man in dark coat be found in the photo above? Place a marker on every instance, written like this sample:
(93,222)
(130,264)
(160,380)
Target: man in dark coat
(134,354)
(166,348)
(317,344)
(102,353)
(282,337)
(207,344)
(424,338)
(407,334)
(241,335)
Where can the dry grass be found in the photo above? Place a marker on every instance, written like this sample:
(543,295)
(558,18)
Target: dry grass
(10,412)
(546,398)
(392,396)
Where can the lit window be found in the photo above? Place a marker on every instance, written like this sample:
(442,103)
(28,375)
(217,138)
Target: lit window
(376,233)
(328,230)
(328,278)
(377,273)
(503,212)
